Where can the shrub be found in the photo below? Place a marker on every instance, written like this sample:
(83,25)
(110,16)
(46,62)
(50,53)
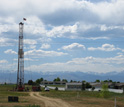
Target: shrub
(104,92)
(56,88)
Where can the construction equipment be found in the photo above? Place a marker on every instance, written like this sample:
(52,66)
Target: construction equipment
(36,88)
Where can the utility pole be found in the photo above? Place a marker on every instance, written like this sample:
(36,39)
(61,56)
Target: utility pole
(20,72)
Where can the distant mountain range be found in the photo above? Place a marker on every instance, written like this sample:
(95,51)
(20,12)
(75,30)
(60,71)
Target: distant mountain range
(50,76)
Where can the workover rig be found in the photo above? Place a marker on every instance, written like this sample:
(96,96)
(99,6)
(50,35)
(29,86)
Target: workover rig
(20,72)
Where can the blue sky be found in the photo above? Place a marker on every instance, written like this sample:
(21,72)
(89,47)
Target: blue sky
(63,35)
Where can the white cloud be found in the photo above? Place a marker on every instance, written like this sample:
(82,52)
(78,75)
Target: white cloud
(26,59)
(59,31)
(34,25)
(3,61)
(10,51)
(30,41)
(41,53)
(45,46)
(108,10)
(87,64)
(72,19)
(29,47)
(104,47)
(106,28)
(7,42)
(66,18)
(74,46)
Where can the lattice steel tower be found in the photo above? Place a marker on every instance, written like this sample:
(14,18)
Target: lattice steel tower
(20,72)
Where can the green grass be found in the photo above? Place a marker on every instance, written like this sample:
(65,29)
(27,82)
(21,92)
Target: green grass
(80,97)
(7,87)
(6,90)
(68,95)
(84,98)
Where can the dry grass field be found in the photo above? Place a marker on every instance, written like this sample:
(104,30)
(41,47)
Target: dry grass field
(86,99)
(58,98)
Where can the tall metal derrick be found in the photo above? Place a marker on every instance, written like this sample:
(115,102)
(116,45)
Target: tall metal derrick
(20,72)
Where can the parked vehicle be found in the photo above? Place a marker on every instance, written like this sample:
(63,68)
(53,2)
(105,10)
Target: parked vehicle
(47,89)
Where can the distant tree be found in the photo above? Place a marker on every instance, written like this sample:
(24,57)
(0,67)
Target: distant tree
(118,82)
(105,80)
(30,82)
(83,86)
(93,88)
(64,80)
(74,81)
(5,83)
(71,80)
(84,81)
(54,79)
(88,85)
(56,88)
(41,79)
(97,81)
(38,81)
(104,92)
(110,81)
(57,79)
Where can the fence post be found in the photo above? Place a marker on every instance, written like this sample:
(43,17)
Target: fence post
(115,101)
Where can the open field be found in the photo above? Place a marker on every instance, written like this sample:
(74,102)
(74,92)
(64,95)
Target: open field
(86,99)
(57,98)
(24,98)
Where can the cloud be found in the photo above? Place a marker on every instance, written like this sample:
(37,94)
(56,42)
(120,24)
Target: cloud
(61,31)
(10,51)
(74,46)
(41,53)
(3,61)
(52,20)
(7,42)
(104,47)
(30,42)
(45,46)
(87,64)
(25,59)
(68,18)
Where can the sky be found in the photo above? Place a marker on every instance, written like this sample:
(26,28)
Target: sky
(63,35)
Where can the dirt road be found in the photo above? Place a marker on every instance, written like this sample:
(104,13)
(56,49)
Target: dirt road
(49,102)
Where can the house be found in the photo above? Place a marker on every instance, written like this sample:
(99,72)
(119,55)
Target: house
(110,85)
(73,86)
(53,82)
(97,85)
(119,86)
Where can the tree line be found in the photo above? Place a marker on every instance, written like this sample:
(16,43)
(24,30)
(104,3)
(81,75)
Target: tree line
(87,84)
(38,81)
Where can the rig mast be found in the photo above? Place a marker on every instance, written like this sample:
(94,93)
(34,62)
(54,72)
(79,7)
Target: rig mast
(20,72)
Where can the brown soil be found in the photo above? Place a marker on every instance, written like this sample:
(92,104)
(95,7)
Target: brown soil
(36,99)
(49,102)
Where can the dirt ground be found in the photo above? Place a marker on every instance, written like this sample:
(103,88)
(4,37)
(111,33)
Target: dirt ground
(49,102)
(36,98)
